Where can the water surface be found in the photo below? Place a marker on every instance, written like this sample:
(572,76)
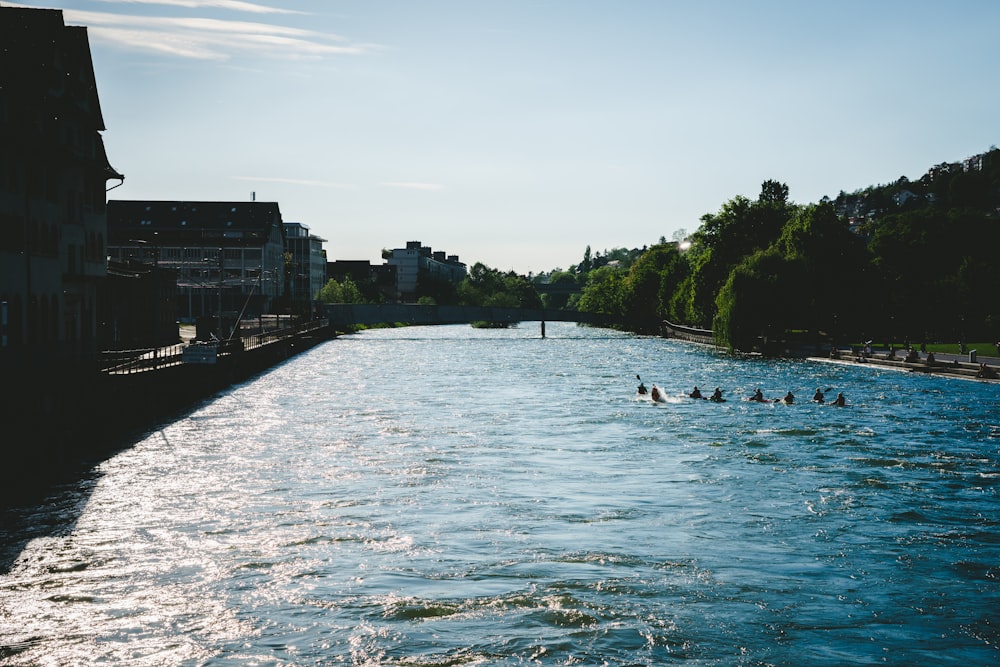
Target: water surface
(453,496)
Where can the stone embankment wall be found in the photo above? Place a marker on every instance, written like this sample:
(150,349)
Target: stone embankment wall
(690,334)
(984,369)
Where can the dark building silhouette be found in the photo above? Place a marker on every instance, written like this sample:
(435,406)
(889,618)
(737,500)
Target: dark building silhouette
(376,283)
(137,306)
(53,180)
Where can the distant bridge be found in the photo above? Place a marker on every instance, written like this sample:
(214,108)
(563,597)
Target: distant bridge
(557,288)
(348,314)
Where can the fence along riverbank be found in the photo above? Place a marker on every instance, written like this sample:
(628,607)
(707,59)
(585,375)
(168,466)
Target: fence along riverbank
(972,366)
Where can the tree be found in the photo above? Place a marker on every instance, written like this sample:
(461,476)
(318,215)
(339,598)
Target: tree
(912,255)
(562,278)
(650,281)
(435,287)
(488,287)
(835,267)
(559,279)
(739,229)
(938,272)
(587,263)
(773,192)
(603,292)
(761,300)
(342,292)
(520,291)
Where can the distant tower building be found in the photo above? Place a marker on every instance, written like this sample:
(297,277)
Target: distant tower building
(415,260)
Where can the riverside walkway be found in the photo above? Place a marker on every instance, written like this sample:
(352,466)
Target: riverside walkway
(126,362)
(966,366)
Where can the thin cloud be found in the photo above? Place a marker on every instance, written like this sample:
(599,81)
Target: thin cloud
(430,187)
(208,38)
(233,5)
(296,181)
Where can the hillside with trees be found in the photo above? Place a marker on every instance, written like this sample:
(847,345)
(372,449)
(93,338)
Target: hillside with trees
(907,261)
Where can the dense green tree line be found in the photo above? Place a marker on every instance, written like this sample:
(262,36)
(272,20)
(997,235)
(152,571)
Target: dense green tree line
(907,261)
(762,272)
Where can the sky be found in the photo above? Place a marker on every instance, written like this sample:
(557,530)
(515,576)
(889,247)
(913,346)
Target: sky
(517,133)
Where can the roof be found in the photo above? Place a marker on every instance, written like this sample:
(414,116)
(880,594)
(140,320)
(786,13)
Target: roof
(46,63)
(47,75)
(196,221)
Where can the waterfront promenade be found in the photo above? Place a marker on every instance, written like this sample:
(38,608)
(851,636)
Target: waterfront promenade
(965,366)
(127,361)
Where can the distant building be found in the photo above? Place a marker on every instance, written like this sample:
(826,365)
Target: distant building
(229,256)
(416,260)
(974,163)
(943,169)
(358,270)
(306,265)
(53,178)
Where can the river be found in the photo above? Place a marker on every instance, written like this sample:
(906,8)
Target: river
(456,496)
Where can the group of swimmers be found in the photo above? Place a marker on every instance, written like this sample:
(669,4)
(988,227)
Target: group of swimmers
(656,394)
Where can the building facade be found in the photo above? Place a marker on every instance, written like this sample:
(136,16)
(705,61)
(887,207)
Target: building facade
(416,260)
(228,256)
(53,181)
(306,266)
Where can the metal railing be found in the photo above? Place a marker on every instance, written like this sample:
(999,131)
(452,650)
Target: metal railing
(123,362)
(255,341)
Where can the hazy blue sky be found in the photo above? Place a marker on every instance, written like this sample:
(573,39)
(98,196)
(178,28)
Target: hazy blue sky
(516,133)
